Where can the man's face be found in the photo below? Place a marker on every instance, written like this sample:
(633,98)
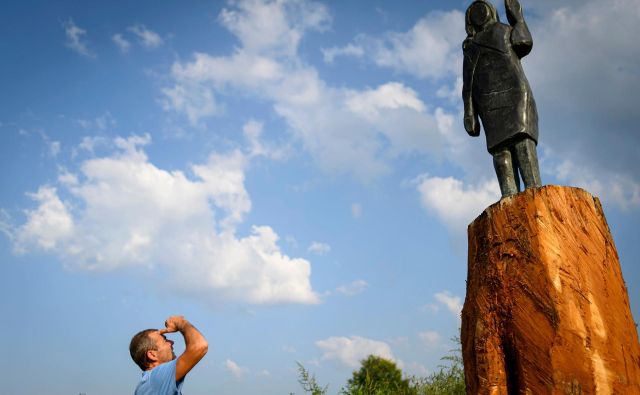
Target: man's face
(164,347)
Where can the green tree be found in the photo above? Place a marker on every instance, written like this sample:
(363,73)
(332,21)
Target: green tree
(449,380)
(308,382)
(378,376)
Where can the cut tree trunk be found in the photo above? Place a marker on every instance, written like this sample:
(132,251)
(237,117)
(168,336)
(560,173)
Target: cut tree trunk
(547,310)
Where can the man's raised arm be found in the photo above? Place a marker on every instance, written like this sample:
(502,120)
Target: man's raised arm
(196,345)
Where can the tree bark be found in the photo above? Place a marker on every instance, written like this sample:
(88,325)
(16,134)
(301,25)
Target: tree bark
(547,310)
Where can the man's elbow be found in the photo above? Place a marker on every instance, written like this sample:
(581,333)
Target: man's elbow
(202,348)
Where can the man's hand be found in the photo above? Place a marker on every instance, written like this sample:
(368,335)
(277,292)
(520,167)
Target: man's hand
(471,125)
(196,345)
(514,11)
(175,323)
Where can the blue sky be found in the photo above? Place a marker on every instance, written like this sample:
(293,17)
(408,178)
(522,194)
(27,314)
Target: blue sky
(292,176)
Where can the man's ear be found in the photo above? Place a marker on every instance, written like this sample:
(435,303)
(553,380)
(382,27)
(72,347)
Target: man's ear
(152,355)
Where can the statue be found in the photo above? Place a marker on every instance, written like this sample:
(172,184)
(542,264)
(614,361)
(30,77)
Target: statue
(496,90)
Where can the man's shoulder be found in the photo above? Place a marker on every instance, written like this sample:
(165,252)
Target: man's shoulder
(160,380)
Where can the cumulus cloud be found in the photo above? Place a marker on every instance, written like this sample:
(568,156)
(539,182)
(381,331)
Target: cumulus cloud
(122,211)
(394,95)
(353,288)
(319,248)
(123,44)
(345,130)
(99,123)
(76,39)
(450,302)
(252,131)
(329,54)
(356,210)
(54,148)
(430,338)
(146,37)
(595,139)
(349,351)
(430,49)
(453,202)
(621,189)
(236,370)
(273,27)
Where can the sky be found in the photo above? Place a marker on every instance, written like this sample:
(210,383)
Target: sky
(292,176)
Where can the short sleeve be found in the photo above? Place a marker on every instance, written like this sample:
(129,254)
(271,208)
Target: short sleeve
(163,379)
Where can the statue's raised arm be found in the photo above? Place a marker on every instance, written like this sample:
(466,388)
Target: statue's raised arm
(521,39)
(496,91)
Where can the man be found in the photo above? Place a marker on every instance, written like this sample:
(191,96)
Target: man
(496,89)
(162,373)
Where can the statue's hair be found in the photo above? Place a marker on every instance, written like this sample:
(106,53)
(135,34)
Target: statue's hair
(471,30)
(140,344)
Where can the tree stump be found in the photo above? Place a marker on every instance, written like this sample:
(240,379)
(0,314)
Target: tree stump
(547,310)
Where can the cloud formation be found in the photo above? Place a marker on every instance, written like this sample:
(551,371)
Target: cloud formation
(122,43)
(354,288)
(236,370)
(430,49)
(76,39)
(453,202)
(430,338)
(146,37)
(319,248)
(589,141)
(349,351)
(345,130)
(122,211)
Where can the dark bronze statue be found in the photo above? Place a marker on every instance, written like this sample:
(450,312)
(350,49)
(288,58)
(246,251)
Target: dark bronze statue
(496,89)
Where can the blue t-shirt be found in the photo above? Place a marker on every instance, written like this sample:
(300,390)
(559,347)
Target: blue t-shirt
(160,380)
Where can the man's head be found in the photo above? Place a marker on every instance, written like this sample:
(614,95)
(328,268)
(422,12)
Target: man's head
(150,348)
(480,14)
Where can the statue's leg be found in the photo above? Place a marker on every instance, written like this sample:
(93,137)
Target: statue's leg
(504,170)
(516,165)
(527,157)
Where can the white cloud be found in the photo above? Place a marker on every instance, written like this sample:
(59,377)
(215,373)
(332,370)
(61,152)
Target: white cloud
(431,49)
(353,288)
(345,130)
(252,131)
(54,148)
(147,38)
(455,203)
(450,302)
(329,54)
(595,139)
(75,39)
(123,211)
(289,349)
(48,226)
(416,369)
(393,95)
(273,27)
(99,123)
(122,43)
(430,338)
(617,188)
(236,370)
(349,351)
(194,101)
(356,210)
(319,248)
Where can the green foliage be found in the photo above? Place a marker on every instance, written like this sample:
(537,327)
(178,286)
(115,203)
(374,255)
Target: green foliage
(449,380)
(378,376)
(308,382)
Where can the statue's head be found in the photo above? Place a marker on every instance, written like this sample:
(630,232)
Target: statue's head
(480,14)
